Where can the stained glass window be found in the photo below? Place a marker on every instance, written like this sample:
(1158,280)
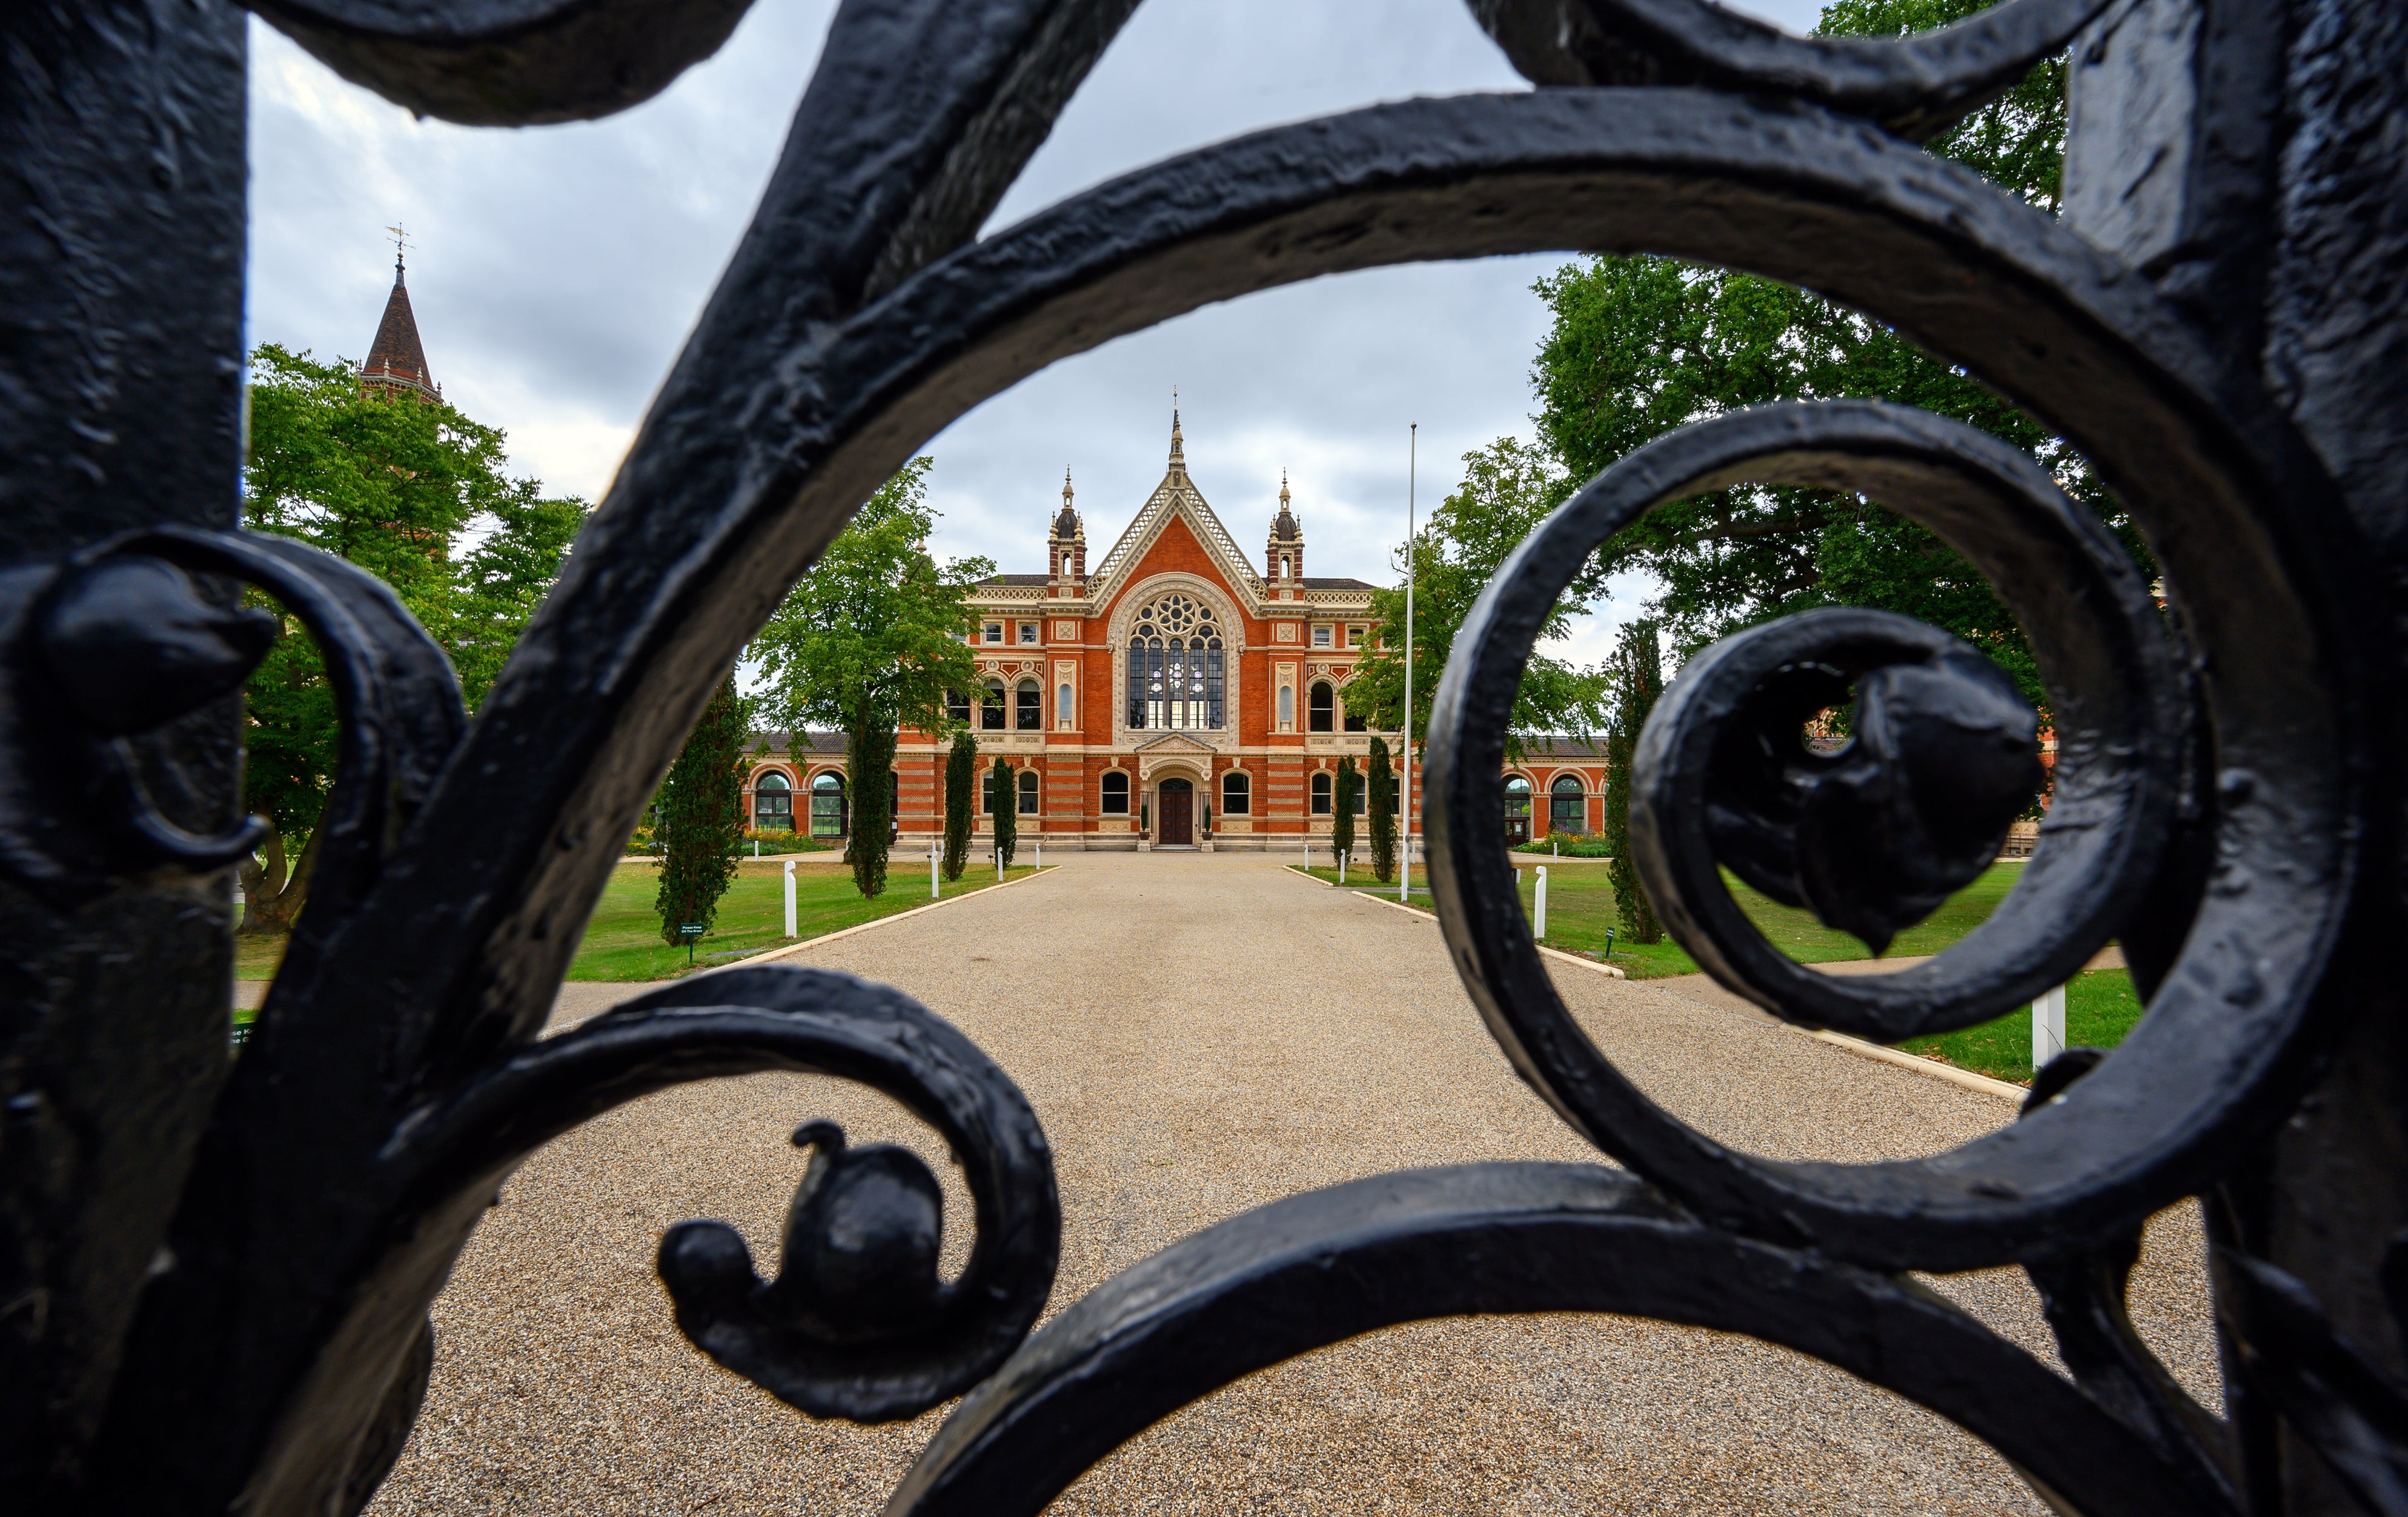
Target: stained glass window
(1174,667)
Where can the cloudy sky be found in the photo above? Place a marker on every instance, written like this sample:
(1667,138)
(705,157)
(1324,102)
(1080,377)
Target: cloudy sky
(557,269)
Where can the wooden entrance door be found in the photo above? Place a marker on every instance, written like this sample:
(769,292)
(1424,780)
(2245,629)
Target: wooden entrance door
(1177,798)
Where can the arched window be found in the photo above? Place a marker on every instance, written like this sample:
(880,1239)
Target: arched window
(773,803)
(1028,707)
(1354,723)
(957,705)
(1362,794)
(1322,705)
(1115,793)
(1061,703)
(828,818)
(991,707)
(1517,809)
(1174,665)
(1566,805)
(1027,793)
(1236,793)
(1287,705)
(1322,786)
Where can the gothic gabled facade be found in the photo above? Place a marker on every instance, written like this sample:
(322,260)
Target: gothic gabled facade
(1174,696)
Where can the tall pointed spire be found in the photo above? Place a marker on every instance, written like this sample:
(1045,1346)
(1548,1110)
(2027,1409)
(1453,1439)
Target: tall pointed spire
(396,364)
(1178,449)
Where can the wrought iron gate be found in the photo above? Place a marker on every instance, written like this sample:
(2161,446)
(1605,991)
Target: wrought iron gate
(214,1275)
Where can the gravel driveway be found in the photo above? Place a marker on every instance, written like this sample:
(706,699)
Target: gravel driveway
(1201,1033)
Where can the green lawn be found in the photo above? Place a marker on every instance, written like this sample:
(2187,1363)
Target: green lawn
(623,940)
(2099,1007)
(1580,908)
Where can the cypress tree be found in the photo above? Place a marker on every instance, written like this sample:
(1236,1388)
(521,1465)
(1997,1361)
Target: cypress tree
(1341,825)
(702,806)
(1383,812)
(961,781)
(872,777)
(1007,810)
(1636,673)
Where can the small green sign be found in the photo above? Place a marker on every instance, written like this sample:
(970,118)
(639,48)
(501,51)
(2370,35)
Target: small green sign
(689,929)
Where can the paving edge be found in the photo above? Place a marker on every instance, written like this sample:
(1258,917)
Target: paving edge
(864,926)
(1605,969)
(1932,1068)
(1921,1066)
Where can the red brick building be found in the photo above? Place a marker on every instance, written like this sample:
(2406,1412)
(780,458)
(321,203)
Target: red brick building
(1172,694)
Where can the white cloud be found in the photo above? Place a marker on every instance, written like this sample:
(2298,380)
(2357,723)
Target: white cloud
(558,269)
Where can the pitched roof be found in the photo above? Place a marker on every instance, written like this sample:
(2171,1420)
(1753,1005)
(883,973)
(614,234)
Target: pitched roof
(783,742)
(396,360)
(1016,579)
(1309,582)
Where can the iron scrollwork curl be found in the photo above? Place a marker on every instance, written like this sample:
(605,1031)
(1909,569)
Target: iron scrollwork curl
(277,1355)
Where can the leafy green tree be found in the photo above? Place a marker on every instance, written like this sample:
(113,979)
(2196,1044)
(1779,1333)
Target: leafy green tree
(870,641)
(1003,802)
(1636,673)
(1508,488)
(1342,823)
(1382,809)
(702,811)
(961,781)
(397,487)
(502,579)
(1639,346)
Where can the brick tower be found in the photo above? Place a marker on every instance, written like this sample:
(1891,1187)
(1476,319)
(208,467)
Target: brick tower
(1284,558)
(1065,548)
(396,364)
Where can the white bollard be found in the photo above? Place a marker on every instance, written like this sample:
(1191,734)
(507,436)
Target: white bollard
(790,898)
(935,856)
(1342,868)
(998,866)
(1541,902)
(1037,859)
(2048,1027)
(756,847)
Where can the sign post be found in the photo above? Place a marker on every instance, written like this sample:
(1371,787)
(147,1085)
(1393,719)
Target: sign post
(1542,901)
(690,931)
(790,897)
(936,853)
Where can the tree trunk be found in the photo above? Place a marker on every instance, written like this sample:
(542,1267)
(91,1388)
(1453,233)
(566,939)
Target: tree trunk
(272,898)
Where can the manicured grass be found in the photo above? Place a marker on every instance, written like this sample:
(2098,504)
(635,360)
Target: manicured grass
(1580,908)
(2100,1007)
(623,940)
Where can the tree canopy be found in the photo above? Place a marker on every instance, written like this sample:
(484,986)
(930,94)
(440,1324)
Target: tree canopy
(871,639)
(1508,488)
(416,494)
(1642,345)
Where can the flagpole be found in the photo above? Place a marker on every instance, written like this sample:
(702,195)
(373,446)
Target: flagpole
(1405,875)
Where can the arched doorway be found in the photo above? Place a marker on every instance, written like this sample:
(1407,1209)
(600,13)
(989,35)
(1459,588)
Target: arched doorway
(1175,823)
(1517,809)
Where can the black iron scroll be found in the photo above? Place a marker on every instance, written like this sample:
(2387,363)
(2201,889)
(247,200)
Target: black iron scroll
(253,1335)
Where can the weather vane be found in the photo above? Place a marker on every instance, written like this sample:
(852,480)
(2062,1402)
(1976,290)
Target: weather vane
(399,243)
